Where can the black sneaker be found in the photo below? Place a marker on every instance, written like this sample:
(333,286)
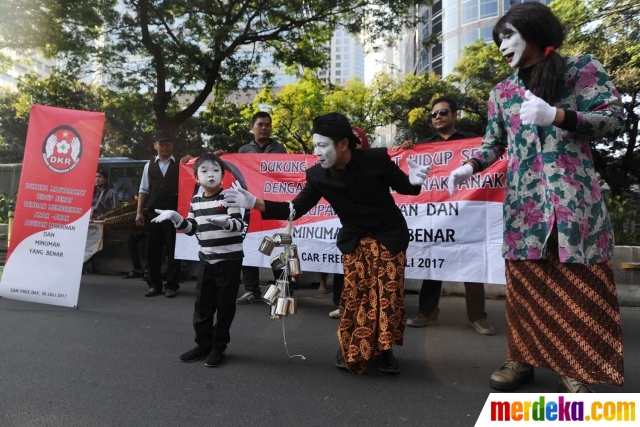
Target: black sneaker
(340,363)
(215,358)
(387,363)
(249,298)
(195,353)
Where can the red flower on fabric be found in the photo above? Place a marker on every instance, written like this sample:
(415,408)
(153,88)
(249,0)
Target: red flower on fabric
(568,162)
(512,238)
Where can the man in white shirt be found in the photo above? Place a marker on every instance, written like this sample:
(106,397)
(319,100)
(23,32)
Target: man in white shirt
(159,190)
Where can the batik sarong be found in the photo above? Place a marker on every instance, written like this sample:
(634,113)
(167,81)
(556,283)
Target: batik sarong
(372,304)
(565,317)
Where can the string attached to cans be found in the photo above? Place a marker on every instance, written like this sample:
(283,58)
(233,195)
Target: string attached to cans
(278,296)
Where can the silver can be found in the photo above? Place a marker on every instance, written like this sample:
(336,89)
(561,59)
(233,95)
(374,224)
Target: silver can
(293,250)
(283,286)
(294,266)
(279,262)
(282,239)
(267,246)
(271,294)
(282,307)
(293,305)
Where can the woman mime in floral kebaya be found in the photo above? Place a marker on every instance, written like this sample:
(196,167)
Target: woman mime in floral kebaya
(561,301)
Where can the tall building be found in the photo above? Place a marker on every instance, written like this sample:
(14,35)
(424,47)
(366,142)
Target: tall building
(24,62)
(457,23)
(346,60)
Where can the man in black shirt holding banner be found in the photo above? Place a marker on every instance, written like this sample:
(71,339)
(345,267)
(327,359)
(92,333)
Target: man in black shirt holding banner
(373,238)
(444,113)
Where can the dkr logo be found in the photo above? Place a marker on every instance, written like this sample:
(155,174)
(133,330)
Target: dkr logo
(62,149)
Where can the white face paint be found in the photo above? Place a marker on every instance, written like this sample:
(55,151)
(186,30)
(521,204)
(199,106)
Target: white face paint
(209,174)
(325,150)
(512,46)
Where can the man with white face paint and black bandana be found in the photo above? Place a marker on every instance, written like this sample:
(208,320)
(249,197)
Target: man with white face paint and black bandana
(561,301)
(373,238)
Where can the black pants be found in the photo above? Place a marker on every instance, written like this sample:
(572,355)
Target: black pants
(216,292)
(161,235)
(338,284)
(134,253)
(251,279)
(474,294)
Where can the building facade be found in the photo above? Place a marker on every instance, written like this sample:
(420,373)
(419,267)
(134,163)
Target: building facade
(24,62)
(456,24)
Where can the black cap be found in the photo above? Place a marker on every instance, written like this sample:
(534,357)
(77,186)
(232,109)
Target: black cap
(162,135)
(336,126)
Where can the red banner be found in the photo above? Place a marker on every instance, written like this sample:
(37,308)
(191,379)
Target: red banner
(49,232)
(452,238)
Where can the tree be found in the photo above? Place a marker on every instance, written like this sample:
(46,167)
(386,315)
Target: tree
(295,106)
(409,104)
(476,73)
(611,32)
(129,123)
(293,109)
(176,48)
(363,105)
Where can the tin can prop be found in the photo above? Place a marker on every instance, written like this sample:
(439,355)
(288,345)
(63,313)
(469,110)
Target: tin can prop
(282,307)
(279,262)
(292,308)
(271,294)
(294,266)
(282,239)
(267,246)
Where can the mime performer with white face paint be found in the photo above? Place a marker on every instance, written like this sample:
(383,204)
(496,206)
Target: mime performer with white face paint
(561,301)
(373,238)
(220,236)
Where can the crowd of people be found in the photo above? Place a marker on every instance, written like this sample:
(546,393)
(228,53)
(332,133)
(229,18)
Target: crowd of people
(561,303)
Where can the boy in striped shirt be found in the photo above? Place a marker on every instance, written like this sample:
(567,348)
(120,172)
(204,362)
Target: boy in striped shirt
(220,237)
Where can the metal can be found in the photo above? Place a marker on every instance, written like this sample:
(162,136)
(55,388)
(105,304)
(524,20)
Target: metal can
(267,246)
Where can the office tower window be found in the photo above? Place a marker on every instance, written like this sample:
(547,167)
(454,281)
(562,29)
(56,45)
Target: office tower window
(338,57)
(450,12)
(451,55)
(488,8)
(469,11)
(486,34)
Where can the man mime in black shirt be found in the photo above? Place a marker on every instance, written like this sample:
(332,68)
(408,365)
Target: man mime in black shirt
(373,238)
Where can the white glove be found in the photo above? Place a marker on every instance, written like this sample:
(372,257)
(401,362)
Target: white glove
(172,216)
(238,197)
(417,173)
(535,111)
(458,176)
(223,221)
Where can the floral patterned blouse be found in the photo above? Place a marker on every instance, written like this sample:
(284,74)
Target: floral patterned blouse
(551,179)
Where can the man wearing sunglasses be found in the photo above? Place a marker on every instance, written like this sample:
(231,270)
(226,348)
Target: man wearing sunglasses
(444,113)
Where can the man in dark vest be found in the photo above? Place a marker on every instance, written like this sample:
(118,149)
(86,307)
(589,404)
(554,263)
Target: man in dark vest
(159,190)
(444,114)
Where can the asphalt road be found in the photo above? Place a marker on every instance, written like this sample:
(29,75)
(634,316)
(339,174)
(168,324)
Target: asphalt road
(114,362)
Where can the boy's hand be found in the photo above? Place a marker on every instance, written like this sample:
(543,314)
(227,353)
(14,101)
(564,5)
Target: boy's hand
(223,221)
(168,215)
